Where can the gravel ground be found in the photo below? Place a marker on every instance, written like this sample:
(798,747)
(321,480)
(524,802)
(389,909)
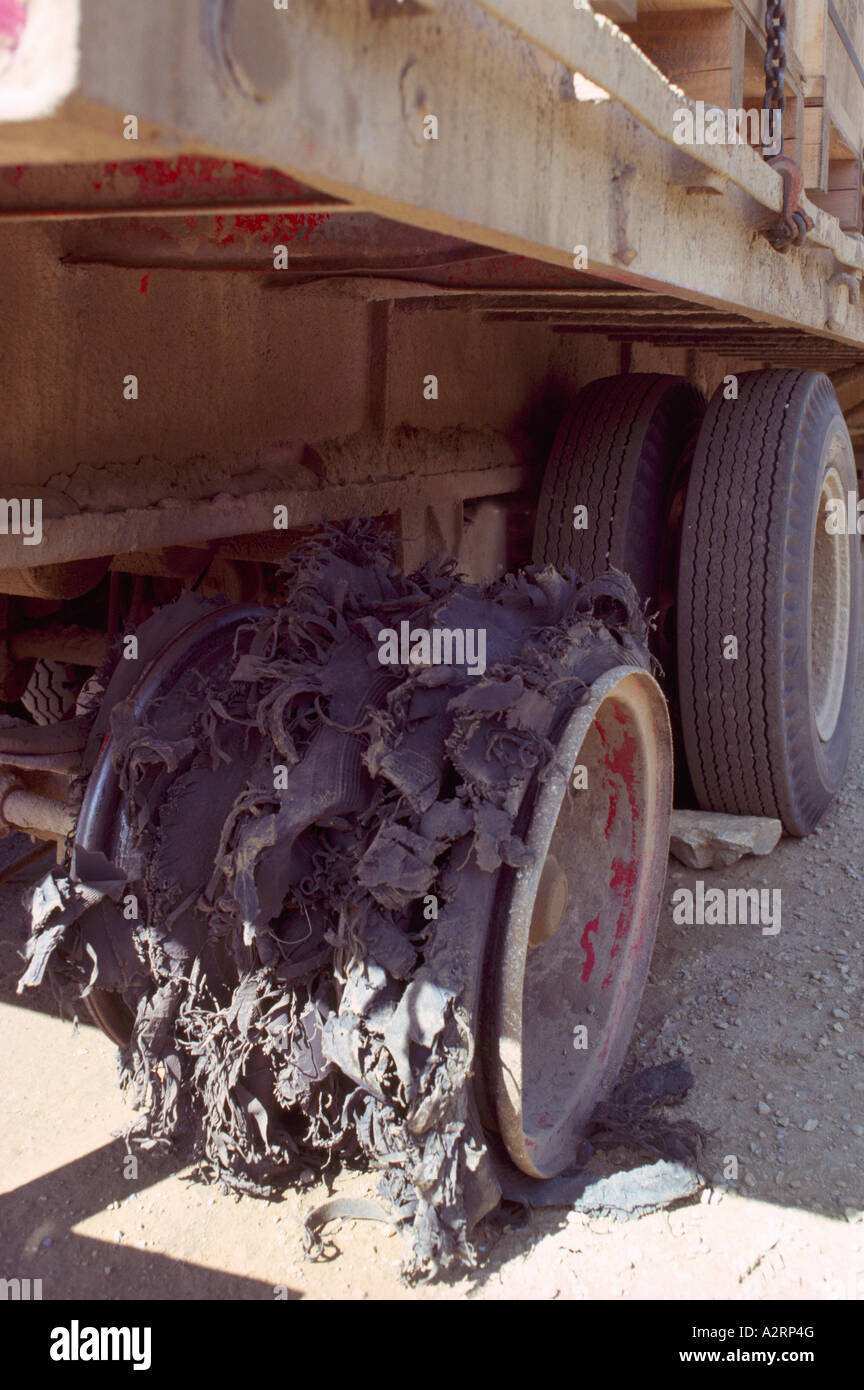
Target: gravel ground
(770,1025)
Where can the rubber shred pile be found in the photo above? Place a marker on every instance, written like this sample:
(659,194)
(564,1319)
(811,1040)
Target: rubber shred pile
(316,844)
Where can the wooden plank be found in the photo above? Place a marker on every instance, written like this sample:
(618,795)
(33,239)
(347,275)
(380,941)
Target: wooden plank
(401,9)
(752,12)
(754,67)
(845,173)
(814,159)
(577,172)
(832,36)
(622,11)
(843,197)
(662,6)
(845,205)
(849,385)
(846,21)
(844,92)
(811,22)
(701,51)
(793,128)
(142,528)
(717,55)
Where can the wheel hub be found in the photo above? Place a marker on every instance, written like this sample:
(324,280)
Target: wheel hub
(552,893)
(578,935)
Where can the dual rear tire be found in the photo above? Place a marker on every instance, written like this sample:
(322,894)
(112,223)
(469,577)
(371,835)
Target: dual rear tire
(722,517)
(759,639)
(719,517)
(769,601)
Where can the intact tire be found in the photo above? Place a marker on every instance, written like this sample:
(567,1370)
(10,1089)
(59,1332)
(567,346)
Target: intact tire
(618,452)
(51,691)
(769,732)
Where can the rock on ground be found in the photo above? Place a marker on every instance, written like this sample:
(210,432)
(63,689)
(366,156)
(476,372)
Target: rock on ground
(712,839)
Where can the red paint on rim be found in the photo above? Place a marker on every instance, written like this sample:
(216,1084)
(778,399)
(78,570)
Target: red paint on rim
(585,943)
(624,875)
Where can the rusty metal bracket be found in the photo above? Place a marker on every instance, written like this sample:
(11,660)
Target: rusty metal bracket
(622,179)
(793,224)
(836,313)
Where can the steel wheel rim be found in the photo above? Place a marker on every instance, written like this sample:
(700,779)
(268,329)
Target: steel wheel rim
(830,605)
(543,1087)
(102,828)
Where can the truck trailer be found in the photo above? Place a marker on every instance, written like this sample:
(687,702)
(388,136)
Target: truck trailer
(431,449)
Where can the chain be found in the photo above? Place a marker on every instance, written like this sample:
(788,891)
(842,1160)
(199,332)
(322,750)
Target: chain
(794,223)
(775,59)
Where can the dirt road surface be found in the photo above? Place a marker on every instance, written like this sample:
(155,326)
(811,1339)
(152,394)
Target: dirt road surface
(770,1025)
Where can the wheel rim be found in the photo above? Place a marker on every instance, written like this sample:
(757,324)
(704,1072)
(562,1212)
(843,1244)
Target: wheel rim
(102,829)
(109,1012)
(610,843)
(830,604)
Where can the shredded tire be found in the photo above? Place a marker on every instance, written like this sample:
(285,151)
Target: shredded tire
(305,974)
